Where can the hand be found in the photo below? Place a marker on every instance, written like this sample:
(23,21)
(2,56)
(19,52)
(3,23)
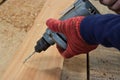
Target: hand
(71,29)
(112,4)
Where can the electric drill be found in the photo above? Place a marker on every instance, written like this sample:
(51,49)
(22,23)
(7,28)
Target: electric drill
(79,8)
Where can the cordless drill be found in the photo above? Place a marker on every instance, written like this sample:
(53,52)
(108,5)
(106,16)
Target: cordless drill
(79,8)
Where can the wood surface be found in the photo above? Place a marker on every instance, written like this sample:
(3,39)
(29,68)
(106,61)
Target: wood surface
(104,63)
(43,66)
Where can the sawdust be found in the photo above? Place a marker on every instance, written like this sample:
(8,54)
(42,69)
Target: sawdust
(16,18)
(21,13)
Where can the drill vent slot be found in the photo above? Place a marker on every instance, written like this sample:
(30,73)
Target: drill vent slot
(91,10)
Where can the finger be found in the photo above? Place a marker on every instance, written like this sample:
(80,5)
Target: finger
(116,6)
(108,2)
(55,25)
(60,49)
(118,12)
(67,53)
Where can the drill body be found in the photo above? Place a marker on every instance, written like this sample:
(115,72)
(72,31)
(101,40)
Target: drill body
(79,8)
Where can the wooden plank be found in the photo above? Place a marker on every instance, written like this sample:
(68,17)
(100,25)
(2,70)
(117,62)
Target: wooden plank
(46,65)
(74,68)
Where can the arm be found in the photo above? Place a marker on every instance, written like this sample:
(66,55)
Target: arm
(102,29)
(85,33)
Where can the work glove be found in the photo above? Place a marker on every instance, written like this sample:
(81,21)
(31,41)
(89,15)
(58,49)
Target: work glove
(71,29)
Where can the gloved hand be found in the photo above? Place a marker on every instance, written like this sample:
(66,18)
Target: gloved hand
(71,29)
(112,4)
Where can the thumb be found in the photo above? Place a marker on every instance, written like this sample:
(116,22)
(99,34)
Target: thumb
(55,25)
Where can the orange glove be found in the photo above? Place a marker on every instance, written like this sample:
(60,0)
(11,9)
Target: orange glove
(71,29)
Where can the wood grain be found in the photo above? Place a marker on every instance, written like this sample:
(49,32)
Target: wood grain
(46,65)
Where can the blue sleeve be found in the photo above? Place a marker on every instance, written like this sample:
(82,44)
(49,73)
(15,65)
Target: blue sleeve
(101,29)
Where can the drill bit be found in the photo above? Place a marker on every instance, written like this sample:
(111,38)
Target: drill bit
(28,57)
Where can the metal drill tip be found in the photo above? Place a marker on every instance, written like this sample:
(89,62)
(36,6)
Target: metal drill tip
(28,57)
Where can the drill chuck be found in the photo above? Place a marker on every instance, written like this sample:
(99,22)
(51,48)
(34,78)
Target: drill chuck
(49,38)
(42,45)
